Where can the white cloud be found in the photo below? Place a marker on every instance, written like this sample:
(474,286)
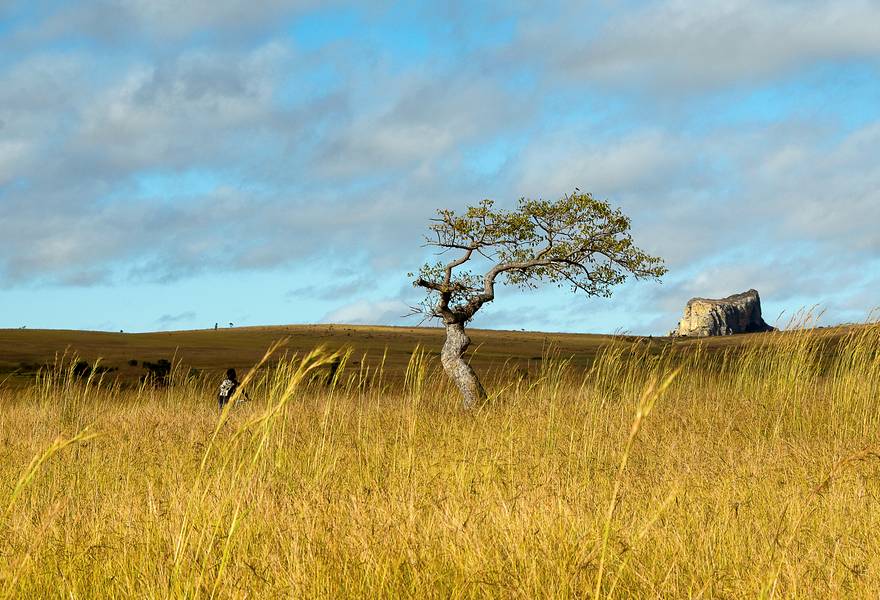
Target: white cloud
(13,154)
(175,18)
(826,193)
(167,319)
(350,169)
(561,160)
(379,312)
(417,121)
(188,111)
(120,22)
(683,45)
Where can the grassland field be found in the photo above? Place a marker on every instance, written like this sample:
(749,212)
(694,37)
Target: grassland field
(23,352)
(600,466)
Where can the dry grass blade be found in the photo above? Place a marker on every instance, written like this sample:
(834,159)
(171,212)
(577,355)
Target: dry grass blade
(654,470)
(58,445)
(646,403)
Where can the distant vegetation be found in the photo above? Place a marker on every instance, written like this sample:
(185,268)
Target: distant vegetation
(747,472)
(84,371)
(158,373)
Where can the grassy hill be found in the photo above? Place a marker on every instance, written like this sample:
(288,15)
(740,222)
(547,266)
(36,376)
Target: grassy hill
(24,351)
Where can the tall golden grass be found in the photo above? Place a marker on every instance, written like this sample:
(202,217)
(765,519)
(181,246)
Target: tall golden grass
(751,473)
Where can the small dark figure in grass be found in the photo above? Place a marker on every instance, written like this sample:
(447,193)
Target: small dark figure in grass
(228,387)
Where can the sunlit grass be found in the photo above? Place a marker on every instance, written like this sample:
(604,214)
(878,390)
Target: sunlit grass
(748,473)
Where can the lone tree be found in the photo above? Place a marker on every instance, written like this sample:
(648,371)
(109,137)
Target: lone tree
(576,241)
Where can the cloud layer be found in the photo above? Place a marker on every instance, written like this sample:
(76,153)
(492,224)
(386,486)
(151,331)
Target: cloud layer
(145,142)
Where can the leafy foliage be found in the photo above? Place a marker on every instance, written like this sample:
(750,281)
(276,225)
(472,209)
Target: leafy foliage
(577,241)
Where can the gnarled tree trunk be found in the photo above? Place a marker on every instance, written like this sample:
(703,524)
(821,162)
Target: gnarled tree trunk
(458,369)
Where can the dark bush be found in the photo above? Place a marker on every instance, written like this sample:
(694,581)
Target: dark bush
(82,370)
(158,373)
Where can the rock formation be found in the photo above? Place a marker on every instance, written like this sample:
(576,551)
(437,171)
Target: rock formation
(740,313)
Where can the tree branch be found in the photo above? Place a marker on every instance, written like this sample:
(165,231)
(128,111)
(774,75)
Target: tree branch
(576,239)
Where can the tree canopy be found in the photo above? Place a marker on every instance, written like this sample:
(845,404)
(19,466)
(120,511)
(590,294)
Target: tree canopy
(577,241)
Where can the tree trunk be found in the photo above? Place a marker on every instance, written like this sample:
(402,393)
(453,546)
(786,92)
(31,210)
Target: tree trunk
(458,369)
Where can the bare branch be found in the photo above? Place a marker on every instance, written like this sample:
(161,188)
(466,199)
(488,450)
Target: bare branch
(456,263)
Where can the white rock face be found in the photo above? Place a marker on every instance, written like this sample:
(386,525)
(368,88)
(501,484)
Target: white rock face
(740,313)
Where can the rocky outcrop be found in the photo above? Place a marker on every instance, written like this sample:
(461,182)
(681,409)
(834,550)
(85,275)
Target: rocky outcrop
(740,313)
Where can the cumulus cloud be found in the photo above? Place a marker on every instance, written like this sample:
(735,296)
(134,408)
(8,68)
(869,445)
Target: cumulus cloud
(81,151)
(638,162)
(163,115)
(827,193)
(424,118)
(681,45)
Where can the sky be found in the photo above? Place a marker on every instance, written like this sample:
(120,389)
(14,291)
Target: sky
(168,165)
